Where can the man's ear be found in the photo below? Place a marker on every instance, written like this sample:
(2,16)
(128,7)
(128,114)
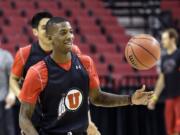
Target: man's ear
(49,37)
(174,40)
(35,32)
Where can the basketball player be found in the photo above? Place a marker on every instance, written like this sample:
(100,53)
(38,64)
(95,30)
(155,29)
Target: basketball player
(169,78)
(61,84)
(31,54)
(7,98)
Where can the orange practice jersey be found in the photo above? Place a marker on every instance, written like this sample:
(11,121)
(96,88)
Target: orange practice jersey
(37,77)
(22,56)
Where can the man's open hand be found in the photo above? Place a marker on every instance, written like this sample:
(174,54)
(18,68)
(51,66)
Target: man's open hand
(141,97)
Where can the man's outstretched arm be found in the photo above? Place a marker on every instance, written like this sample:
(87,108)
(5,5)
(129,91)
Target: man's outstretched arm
(100,98)
(25,115)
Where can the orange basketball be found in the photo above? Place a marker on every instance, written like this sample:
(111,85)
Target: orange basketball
(142,51)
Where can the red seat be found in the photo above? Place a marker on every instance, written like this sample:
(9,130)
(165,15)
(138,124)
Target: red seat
(120,39)
(57,12)
(91,30)
(5,5)
(106,49)
(18,39)
(114,29)
(70,4)
(113,57)
(48,5)
(96,39)
(102,69)
(84,48)
(11,13)
(152,71)
(110,20)
(123,69)
(86,22)
(18,21)
(11,31)
(94,4)
(102,12)
(24,4)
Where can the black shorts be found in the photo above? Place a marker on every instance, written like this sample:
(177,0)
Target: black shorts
(68,133)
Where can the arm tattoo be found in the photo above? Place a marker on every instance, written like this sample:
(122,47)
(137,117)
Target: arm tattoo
(111,100)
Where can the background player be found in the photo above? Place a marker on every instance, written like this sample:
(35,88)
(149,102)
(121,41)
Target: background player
(7,98)
(169,79)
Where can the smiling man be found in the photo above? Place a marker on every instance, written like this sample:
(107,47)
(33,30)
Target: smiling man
(61,85)
(31,54)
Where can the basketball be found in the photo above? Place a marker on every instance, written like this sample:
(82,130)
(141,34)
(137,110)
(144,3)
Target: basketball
(142,51)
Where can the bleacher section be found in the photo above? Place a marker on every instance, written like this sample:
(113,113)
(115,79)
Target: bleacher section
(97,33)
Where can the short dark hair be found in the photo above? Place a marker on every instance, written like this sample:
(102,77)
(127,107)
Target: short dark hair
(54,20)
(172,33)
(38,16)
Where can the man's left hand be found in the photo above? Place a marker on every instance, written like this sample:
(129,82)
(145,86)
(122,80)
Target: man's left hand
(10,100)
